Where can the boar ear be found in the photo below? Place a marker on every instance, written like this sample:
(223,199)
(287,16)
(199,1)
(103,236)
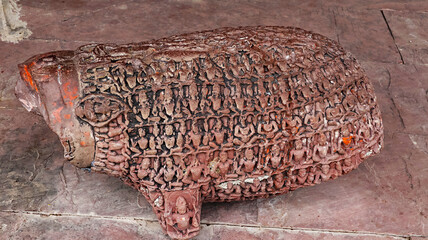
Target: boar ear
(99,110)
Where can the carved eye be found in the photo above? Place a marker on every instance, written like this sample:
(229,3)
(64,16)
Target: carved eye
(98,110)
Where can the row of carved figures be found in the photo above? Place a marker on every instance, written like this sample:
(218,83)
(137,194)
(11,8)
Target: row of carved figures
(265,185)
(214,97)
(240,64)
(213,133)
(173,172)
(113,155)
(281,182)
(320,114)
(150,139)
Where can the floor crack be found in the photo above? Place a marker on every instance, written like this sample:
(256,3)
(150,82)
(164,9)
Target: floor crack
(409,176)
(335,25)
(392,35)
(392,100)
(398,112)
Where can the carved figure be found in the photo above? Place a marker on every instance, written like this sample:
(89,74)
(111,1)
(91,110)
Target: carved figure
(224,164)
(268,127)
(218,134)
(274,158)
(299,153)
(244,132)
(248,162)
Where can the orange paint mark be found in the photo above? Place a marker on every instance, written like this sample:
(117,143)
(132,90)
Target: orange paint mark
(29,79)
(67,116)
(347,140)
(82,143)
(70,93)
(57,115)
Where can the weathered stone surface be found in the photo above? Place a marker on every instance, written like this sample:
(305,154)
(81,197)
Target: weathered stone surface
(35,226)
(352,29)
(223,115)
(43,182)
(312,15)
(409,32)
(403,89)
(382,175)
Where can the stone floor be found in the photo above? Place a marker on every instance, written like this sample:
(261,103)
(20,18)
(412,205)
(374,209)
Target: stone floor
(42,197)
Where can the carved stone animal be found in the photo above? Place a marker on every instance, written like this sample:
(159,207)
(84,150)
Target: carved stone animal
(223,115)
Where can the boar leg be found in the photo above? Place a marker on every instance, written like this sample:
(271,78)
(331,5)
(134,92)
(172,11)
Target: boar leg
(179,211)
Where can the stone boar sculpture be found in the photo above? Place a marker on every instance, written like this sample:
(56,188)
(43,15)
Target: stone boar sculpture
(224,115)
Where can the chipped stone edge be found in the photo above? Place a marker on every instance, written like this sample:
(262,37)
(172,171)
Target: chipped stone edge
(12,29)
(223,185)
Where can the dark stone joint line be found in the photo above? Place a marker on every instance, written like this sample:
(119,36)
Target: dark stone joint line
(392,35)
